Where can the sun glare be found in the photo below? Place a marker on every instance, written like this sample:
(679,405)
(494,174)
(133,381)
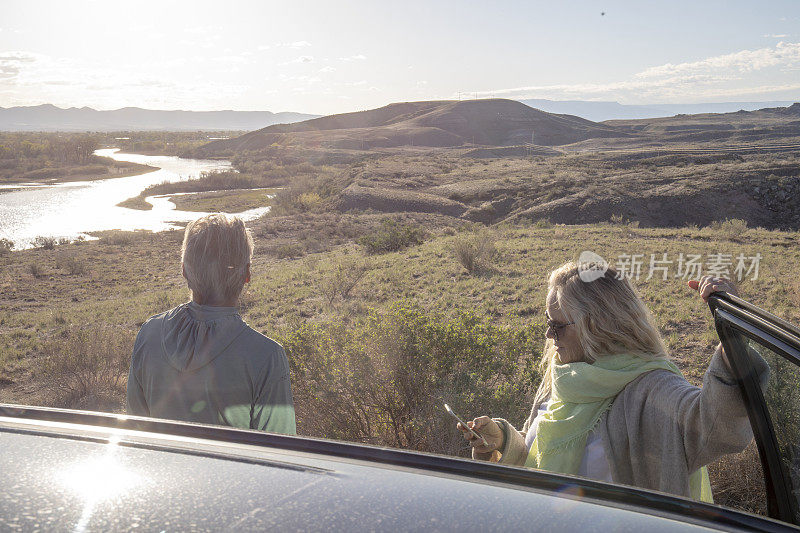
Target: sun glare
(99,478)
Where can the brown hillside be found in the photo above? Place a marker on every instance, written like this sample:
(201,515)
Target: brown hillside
(774,122)
(494,122)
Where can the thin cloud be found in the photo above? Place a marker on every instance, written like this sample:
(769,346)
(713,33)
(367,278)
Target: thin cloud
(327,69)
(783,54)
(12,63)
(299,60)
(776,35)
(27,77)
(357,57)
(294,44)
(720,76)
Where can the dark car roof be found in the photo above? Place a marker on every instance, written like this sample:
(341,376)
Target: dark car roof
(63,470)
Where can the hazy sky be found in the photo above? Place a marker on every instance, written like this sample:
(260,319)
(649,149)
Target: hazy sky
(327,56)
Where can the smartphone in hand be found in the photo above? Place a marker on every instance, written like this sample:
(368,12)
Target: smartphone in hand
(473,432)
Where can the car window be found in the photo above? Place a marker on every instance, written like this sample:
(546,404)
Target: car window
(782,399)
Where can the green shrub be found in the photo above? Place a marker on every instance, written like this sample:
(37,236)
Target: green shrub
(392,236)
(383,378)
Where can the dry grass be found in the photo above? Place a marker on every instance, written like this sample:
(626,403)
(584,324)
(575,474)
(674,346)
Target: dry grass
(475,252)
(343,278)
(87,367)
(737,480)
(71,264)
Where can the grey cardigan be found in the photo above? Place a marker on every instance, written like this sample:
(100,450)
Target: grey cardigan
(660,428)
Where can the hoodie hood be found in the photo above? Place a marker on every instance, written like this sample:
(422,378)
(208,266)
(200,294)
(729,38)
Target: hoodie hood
(193,335)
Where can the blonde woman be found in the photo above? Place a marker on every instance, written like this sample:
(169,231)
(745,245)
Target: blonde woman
(200,361)
(611,405)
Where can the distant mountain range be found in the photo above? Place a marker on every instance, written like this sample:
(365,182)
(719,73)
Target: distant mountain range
(48,117)
(600,111)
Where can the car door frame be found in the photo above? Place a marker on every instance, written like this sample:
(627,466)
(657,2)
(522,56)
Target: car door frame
(733,317)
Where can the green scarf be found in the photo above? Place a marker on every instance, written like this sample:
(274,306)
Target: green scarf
(580,394)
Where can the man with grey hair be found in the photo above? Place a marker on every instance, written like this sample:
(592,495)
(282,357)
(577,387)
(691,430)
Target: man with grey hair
(200,362)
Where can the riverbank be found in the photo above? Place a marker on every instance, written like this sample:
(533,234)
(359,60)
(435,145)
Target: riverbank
(63,212)
(232,201)
(68,174)
(231,192)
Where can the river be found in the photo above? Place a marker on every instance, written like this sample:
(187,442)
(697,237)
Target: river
(72,209)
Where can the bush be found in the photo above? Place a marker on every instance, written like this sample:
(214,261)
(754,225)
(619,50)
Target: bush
(45,243)
(306,194)
(117,237)
(475,252)
(35,270)
(87,368)
(6,246)
(290,250)
(619,220)
(71,264)
(731,229)
(391,237)
(343,279)
(384,379)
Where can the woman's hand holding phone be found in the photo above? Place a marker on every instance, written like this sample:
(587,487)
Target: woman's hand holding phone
(488,429)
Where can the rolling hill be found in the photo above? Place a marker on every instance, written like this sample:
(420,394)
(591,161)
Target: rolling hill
(495,122)
(771,122)
(601,111)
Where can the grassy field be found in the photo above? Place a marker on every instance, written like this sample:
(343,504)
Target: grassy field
(477,335)
(122,271)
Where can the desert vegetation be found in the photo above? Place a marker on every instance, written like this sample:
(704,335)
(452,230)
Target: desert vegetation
(31,157)
(163,142)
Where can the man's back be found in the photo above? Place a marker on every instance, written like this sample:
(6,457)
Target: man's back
(202,363)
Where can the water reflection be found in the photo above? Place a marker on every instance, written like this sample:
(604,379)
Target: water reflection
(97,479)
(68,210)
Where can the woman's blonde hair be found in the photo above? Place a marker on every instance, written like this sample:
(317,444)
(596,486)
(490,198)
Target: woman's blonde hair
(609,317)
(216,252)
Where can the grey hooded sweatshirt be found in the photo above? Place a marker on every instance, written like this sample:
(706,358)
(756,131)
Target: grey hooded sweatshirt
(202,363)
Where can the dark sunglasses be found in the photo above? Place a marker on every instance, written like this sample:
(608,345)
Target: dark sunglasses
(555,326)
